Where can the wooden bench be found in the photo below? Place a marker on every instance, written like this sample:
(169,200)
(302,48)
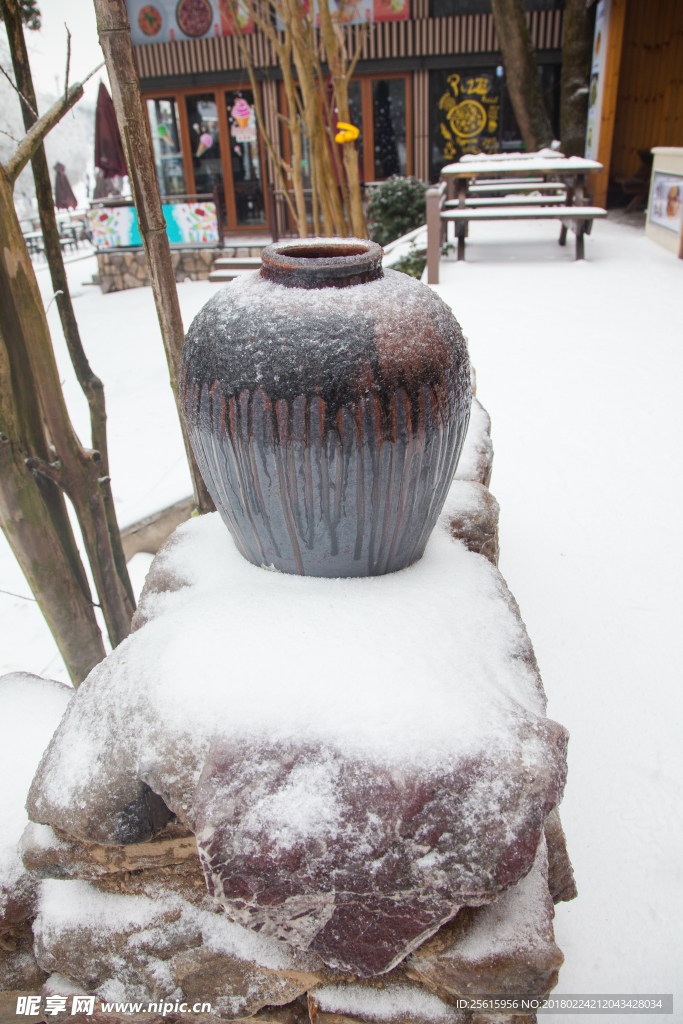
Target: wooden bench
(578,218)
(482,202)
(440,211)
(508,186)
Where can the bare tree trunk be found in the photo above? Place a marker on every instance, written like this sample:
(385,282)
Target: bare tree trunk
(91,384)
(575,82)
(114,34)
(521,73)
(32,510)
(76,470)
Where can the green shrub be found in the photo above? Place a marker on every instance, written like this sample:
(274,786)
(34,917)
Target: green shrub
(395,207)
(413,263)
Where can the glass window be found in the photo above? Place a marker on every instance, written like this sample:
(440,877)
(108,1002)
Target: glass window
(206,148)
(245,157)
(389,122)
(163,122)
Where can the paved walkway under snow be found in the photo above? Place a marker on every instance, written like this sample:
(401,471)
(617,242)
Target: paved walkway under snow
(580,366)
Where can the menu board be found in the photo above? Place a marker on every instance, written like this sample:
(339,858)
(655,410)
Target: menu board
(468,115)
(666,201)
(168,21)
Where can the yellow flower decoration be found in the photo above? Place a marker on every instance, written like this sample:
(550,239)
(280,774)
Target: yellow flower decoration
(348,133)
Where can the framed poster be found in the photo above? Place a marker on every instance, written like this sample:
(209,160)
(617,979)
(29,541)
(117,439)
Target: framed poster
(597,80)
(666,201)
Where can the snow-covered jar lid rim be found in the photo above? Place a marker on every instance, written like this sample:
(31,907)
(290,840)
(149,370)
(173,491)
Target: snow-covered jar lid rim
(322,262)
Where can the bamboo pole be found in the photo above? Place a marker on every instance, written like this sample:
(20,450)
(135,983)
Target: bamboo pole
(114,35)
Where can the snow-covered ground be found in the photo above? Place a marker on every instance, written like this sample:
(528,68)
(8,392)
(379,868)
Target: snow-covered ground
(579,365)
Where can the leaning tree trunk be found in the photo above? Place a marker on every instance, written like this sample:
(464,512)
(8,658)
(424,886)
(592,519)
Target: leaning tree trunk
(33,513)
(91,384)
(114,35)
(73,468)
(575,81)
(521,73)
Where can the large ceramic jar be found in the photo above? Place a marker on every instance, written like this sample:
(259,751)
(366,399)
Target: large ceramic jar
(327,402)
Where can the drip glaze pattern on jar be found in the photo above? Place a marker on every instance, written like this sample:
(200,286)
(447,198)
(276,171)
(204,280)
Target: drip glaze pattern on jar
(327,403)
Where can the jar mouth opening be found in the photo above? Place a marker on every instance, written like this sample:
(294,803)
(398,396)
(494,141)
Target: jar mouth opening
(322,262)
(326,251)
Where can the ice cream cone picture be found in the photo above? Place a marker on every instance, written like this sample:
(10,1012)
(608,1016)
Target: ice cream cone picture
(241,111)
(205,142)
(163,133)
(242,128)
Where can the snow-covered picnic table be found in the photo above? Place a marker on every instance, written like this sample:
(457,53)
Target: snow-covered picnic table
(452,200)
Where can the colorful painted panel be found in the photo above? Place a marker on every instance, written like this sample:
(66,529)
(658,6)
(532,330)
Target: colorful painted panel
(186,224)
(114,226)
(191,223)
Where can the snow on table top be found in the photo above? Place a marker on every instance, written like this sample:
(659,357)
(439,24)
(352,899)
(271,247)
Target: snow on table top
(30,710)
(545,161)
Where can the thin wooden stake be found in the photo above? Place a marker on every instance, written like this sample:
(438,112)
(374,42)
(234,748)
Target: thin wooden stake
(114,34)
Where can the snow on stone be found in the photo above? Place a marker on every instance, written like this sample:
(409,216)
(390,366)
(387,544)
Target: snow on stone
(280,656)
(124,947)
(518,920)
(358,758)
(391,1003)
(477,451)
(66,906)
(30,710)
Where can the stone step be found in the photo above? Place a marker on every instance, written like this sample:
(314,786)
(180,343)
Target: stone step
(237,263)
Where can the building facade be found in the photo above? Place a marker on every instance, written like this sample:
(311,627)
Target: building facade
(429,86)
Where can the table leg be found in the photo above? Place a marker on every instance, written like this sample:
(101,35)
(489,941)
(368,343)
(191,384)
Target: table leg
(462,228)
(579,240)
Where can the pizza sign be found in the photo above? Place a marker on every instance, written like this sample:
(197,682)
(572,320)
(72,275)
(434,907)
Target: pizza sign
(468,116)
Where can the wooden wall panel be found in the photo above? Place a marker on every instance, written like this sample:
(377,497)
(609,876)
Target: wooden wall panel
(650,96)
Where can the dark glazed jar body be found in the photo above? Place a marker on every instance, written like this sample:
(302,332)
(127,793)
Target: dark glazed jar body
(327,403)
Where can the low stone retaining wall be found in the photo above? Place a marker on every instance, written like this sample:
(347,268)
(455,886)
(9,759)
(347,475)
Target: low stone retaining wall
(127,268)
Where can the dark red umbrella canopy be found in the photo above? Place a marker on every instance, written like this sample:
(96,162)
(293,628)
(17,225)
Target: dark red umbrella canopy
(64,197)
(108,149)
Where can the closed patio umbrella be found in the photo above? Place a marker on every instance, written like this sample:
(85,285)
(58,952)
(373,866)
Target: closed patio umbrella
(108,149)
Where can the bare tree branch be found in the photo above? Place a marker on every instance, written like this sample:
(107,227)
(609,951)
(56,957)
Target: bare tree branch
(19,94)
(43,125)
(68,61)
